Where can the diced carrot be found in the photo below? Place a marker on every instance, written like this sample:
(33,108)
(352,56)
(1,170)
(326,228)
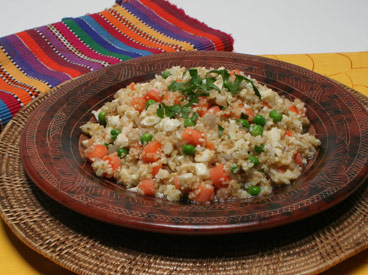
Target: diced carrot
(210,145)
(99,151)
(294,109)
(147,186)
(234,111)
(218,176)
(194,137)
(281,170)
(289,133)
(176,183)
(151,152)
(205,192)
(249,112)
(153,94)
(131,86)
(113,160)
(156,168)
(139,103)
(202,106)
(171,99)
(298,159)
(213,110)
(179,187)
(265,104)
(136,146)
(234,72)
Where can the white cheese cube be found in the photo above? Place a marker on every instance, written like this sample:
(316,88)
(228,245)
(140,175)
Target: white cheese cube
(201,170)
(113,121)
(169,125)
(205,156)
(150,121)
(162,174)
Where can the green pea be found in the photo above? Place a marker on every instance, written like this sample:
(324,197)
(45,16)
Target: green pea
(254,190)
(189,122)
(165,74)
(102,118)
(149,103)
(254,160)
(275,115)
(146,137)
(259,120)
(188,149)
(256,130)
(115,132)
(121,151)
(259,149)
(243,122)
(234,168)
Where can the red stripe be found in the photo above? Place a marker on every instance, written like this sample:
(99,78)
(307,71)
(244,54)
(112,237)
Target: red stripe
(53,55)
(11,102)
(23,95)
(43,57)
(170,18)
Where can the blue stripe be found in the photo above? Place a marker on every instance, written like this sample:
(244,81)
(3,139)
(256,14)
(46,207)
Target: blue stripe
(111,39)
(96,37)
(5,114)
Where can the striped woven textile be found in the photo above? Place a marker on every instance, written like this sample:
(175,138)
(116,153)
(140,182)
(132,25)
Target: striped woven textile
(34,61)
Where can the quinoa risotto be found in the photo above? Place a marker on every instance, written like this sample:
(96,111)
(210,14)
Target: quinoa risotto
(199,134)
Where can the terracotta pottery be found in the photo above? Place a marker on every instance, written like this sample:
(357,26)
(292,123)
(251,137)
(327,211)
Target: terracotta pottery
(51,154)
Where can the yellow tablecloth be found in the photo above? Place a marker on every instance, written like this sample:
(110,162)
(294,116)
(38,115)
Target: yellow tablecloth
(350,69)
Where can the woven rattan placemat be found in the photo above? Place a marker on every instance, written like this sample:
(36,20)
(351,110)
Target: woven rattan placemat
(87,246)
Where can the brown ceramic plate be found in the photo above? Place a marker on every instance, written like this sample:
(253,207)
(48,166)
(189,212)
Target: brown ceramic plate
(52,159)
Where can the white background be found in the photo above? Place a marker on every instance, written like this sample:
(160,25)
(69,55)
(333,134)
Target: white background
(258,26)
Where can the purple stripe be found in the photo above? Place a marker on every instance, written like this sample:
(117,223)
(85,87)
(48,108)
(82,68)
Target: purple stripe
(222,37)
(16,50)
(69,68)
(35,62)
(147,16)
(66,52)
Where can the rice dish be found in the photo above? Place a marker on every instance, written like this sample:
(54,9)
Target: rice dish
(199,134)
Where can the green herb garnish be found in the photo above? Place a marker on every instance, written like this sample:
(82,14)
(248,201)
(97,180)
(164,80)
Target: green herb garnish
(160,111)
(220,130)
(234,87)
(210,83)
(244,116)
(259,149)
(234,168)
(185,111)
(165,74)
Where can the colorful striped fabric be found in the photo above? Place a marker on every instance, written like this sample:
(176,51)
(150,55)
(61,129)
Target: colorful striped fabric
(34,61)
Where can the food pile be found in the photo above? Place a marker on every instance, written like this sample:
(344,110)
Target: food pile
(199,134)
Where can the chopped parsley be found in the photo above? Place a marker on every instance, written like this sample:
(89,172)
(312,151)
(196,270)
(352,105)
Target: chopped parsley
(172,111)
(234,86)
(160,111)
(234,168)
(220,130)
(165,74)
(244,116)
